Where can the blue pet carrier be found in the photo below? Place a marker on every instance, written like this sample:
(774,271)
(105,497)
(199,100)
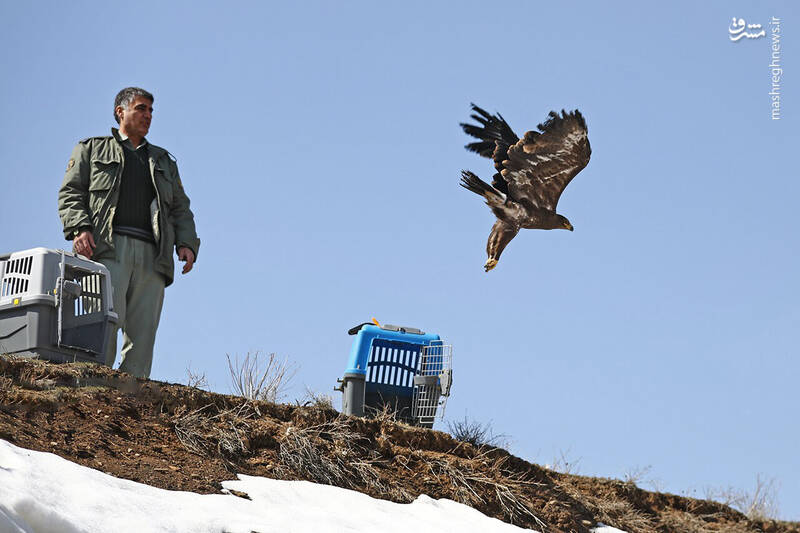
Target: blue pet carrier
(403,369)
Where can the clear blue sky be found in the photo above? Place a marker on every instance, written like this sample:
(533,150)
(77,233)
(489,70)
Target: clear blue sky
(320,146)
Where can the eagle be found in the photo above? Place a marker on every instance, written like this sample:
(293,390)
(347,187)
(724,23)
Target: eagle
(532,172)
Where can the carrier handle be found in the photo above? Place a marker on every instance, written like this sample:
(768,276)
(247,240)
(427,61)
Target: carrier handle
(356,329)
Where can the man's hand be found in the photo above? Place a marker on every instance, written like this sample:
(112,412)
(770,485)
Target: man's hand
(84,244)
(186,254)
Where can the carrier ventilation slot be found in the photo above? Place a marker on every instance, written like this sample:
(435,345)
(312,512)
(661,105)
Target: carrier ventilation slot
(15,278)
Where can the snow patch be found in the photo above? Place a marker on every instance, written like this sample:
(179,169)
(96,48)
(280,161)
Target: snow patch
(41,492)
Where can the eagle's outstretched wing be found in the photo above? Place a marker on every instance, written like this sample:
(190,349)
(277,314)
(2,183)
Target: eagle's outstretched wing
(495,137)
(540,165)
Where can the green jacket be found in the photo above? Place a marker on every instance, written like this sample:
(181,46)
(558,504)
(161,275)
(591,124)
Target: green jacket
(88,199)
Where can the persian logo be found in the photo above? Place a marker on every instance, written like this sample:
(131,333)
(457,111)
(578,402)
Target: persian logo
(738,27)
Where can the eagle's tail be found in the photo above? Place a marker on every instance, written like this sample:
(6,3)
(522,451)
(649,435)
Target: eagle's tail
(473,183)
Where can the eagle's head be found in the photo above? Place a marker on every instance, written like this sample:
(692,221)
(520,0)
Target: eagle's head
(563,223)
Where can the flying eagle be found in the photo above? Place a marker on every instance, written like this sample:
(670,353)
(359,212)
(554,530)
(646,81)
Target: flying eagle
(532,172)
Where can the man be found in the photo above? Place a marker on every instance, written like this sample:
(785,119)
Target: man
(122,204)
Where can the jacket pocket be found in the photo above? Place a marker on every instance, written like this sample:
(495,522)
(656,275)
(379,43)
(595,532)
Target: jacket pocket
(103,174)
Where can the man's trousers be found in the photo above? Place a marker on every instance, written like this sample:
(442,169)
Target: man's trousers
(138,297)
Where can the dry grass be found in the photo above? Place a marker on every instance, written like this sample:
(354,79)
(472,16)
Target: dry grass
(475,433)
(620,514)
(220,433)
(189,429)
(257,378)
(467,484)
(564,463)
(760,504)
(36,376)
(317,400)
(331,453)
(612,511)
(196,380)
(637,474)
(683,522)
(387,412)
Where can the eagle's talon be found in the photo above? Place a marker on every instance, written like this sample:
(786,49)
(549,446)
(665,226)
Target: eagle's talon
(490,264)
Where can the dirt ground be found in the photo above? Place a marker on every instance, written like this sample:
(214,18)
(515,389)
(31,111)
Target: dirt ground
(182,438)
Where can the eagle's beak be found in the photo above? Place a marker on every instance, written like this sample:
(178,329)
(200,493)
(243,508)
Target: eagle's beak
(569,227)
(490,264)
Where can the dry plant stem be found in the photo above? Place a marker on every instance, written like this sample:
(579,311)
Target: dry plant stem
(618,513)
(196,380)
(318,400)
(508,487)
(331,453)
(256,380)
(564,465)
(385,413)
(196,432)
(475,433)
(761,504)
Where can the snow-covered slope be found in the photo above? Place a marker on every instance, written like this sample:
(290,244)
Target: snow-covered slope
(41,492)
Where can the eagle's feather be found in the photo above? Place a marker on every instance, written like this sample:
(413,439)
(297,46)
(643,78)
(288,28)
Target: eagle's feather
(495,135)
(493,129)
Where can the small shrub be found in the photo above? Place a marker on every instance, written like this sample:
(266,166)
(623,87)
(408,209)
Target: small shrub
(471,487)
(257,378)
(611,510)
(760,504)
(207,434)
(196,380)
(331,453)
(564,463)
(384,412)
(636,475)
(317,400)
(475,433)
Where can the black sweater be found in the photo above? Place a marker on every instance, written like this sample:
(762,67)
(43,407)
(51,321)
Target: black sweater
(136,192)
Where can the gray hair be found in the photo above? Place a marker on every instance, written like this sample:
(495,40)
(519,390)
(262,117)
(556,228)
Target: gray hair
(126,96)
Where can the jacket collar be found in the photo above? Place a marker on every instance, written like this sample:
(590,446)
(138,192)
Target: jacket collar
(154,151)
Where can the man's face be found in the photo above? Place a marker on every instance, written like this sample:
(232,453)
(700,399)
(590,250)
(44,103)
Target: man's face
(136,119)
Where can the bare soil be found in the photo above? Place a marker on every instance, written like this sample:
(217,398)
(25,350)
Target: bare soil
(183,438)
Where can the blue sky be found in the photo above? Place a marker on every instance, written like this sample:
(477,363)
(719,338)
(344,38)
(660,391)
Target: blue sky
(320,146)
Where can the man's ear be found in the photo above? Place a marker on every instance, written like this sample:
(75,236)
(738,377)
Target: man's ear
(118,111)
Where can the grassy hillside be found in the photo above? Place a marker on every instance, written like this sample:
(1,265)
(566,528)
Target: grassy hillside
(183,438)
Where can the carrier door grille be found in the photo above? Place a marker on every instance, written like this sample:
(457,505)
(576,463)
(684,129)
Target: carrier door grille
(91,298)
(393,363)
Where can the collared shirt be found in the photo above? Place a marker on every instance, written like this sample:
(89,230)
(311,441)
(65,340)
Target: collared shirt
(127,142)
